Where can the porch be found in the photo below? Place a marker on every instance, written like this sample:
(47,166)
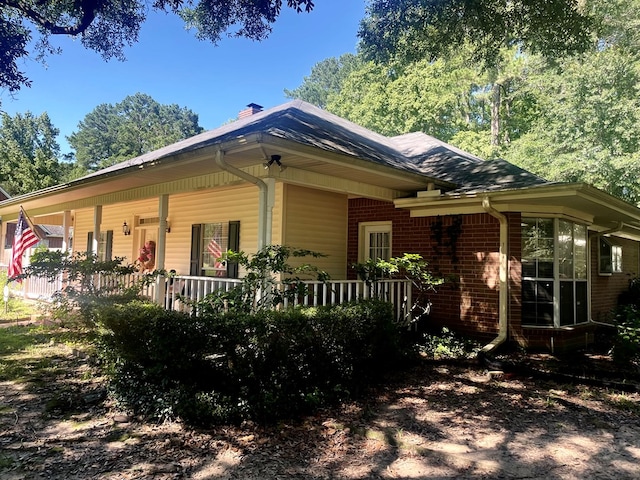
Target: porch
(181,291)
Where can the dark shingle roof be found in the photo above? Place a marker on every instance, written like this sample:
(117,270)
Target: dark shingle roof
(306,124)
(470,173)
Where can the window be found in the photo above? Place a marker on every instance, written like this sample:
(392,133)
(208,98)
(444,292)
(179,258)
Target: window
(208,242)
(609,256)
(375,241)
(105,245)
(554,272)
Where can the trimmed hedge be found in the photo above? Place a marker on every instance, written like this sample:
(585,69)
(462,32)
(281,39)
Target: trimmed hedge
(234,366)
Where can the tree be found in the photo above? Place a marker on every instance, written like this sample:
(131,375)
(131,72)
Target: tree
(113,133)
(410,30)
(107,26)
(326,78)
(587,127)
(28,153)
(429,97)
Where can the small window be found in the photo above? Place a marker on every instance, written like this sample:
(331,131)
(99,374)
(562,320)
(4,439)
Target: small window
(209,241)
(609,257)
(105,245)
(375,241)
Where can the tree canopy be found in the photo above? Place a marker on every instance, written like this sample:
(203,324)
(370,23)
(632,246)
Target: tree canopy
(138,124)
(566,118)
(410,30)
(326,78)
(28,153)
(108,26)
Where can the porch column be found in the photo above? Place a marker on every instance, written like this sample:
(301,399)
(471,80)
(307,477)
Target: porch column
(163,212)
(97,221)
(271,200)
(66,224)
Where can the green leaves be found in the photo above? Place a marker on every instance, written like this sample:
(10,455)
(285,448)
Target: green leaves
(137,125)
(28,153)
(410,30)
(108,26)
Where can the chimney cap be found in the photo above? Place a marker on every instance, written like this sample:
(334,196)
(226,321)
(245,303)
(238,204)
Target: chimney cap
(251,109)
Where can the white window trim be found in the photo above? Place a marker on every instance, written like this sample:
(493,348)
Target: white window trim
(556,276)
(364,231)
(616,267)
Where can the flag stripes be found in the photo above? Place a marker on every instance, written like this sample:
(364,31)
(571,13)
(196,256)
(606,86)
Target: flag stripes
(23,239)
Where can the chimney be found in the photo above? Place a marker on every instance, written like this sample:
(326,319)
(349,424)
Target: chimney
(251,109)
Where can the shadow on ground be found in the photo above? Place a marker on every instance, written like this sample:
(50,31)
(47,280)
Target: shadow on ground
(433,421)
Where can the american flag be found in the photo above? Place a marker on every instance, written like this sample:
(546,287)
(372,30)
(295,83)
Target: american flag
(23,239)
(215,250)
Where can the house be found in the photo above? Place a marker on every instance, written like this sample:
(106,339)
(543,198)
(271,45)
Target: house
(50,235)
(527,260)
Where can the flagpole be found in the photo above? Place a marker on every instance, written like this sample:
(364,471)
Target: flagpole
(30,222)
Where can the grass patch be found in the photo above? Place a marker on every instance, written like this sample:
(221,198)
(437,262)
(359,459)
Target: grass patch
(35,352)
(628,403)
(6,462)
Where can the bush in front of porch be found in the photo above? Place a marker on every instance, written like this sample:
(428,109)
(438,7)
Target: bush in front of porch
(234,366)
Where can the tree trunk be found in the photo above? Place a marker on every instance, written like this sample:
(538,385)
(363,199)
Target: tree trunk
(495,115)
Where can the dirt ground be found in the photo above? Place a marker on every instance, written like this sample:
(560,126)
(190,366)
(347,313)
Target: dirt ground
(436,421)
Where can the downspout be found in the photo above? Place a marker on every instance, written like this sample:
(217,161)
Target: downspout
(503,299)
(263,195)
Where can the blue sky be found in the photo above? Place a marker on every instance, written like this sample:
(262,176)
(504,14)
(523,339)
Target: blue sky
(172,66)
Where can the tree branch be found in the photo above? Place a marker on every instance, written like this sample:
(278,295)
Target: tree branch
(89,9)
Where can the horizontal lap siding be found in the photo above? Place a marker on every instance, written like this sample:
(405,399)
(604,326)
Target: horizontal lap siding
(317,220)
(113,217)
(222,205)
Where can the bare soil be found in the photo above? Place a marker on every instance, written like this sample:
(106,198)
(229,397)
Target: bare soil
(435,421)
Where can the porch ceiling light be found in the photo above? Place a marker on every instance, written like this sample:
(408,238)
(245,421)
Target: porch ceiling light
(274,159)
(126,229)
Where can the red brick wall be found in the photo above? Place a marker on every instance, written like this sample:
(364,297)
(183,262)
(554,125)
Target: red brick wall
(468,302)
(605,289)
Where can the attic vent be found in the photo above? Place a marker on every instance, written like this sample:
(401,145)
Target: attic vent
(149,221)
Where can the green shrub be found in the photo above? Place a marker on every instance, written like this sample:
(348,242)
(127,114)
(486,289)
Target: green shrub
(446,344)
(228,367)
(626,345)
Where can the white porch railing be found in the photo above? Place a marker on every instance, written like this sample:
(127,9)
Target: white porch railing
(318,293)
(177,293)
(36,288)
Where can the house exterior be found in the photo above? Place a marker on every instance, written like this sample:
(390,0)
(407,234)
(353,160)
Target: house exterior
(526,260)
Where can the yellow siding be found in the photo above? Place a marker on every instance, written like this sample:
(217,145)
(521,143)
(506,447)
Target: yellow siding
(276,221)
(208,206)
(240,203)
(317,220)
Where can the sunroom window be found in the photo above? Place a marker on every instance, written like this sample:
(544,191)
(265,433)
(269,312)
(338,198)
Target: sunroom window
(554,272)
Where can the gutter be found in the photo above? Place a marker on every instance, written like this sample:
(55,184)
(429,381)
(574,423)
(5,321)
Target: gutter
(263,195)
(503,274)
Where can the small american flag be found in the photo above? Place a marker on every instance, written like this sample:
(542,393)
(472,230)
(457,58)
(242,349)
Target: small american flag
(215,250)
(23,239)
